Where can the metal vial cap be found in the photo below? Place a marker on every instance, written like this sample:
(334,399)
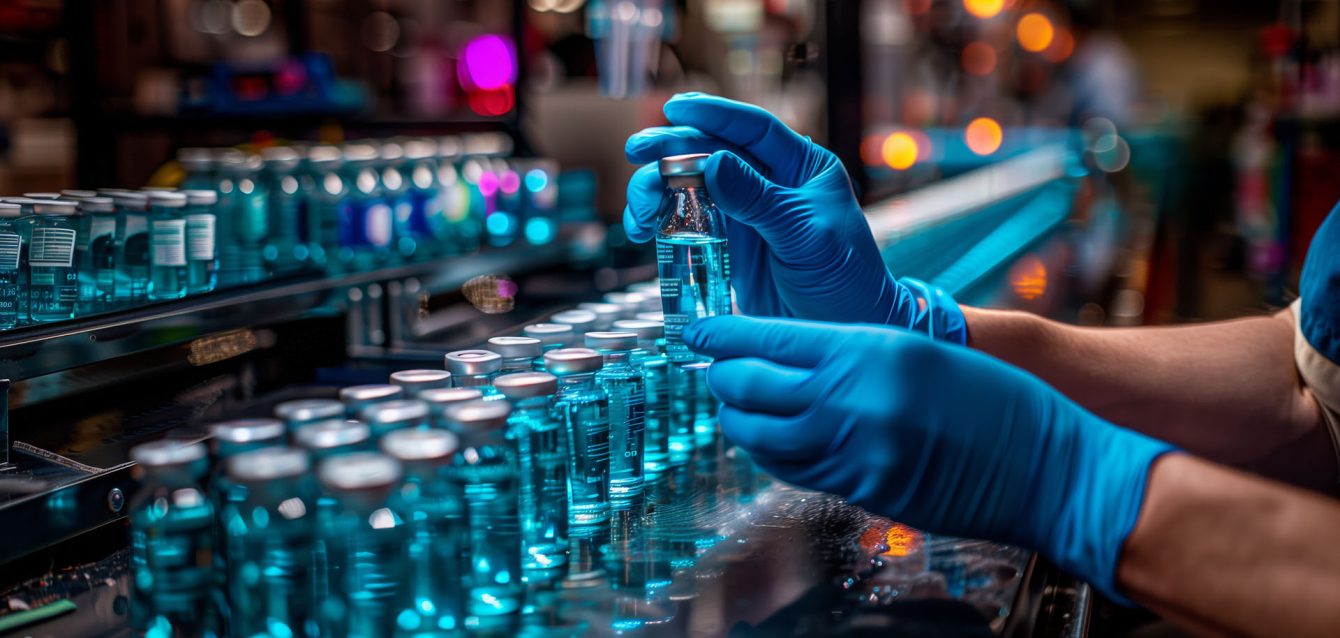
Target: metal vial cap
(309,410)
(658,316)
(10,211)
(398,411)
(167,453)
(578,319)
(683,165)
(479,416)
(607,310)
(572,361)
(281,155)
(359,152)
(97,205)
(420,445)
(128,199)
(549,333)
(248,430)
(331,433)
(645,330)
(626,300)
(195,157)
(371,392)
(75,193)
(42,195)
(167,199)
(514,347)
(525,385)
(267,464)
(201,197)
(440,397)
(55,207)
(359,471)
(470,362)
(414,381)
(611,340)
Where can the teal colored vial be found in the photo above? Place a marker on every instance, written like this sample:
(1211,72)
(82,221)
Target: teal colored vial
(416,381)
(295,414)
(606,314)
(269,540)
(199,165)
(357,397)
(101,246)
(367,226)
(171,544)
(486,468)
(692,261)
(365,543)
(552,336)
(583,409)
(229,439)
(326,440)
(243,219)
(626,390)
(53,273)
(324,190)
(433,600)
(24,225)
(427,216)
(402,414)
(518,353)
(656,373)
(542,452)
(461,205)
(396,190)
(132,263)
(474,369)
(11,252)
(202,248)
(167,245)
(439,399)
(693,410)
(283,250)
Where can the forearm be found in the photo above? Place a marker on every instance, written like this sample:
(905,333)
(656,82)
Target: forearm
(1215,549)
(1227,391)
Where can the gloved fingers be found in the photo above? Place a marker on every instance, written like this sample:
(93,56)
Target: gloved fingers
(653,143)
(770,438)
(745,125)
(759,385)
(644,201)
(789,342)
(746,196)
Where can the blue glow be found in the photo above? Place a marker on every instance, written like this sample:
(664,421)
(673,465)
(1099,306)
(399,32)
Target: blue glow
(539,231)
(536,180)
(499,223)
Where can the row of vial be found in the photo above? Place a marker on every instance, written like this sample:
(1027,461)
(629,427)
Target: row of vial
(370,203)
(440,501)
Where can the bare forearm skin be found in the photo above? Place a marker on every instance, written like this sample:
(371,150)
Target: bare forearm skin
(1225,554)
(1227,391)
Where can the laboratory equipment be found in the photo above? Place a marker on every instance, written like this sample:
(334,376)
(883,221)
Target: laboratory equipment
(656,374)
(416,381)
(167,245)
(582,321)
(518,353)
(437,532)
(551,335)
(625,390)
(486,466)
(268,539)
(324,191)
(366,224)
(542,452)
(202,250)
(357,397)
(691,257)
(53,275)
(11,249)
(439,398)
(583,409)
(97,265)
(388,416)
(395,190)
(199,166)
(283,249)
(606,313)
(427,220)
(171,543)
(474,369)
(364,541)
(242,222)
(132,260)
(296,414)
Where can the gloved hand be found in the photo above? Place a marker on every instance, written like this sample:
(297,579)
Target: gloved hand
(938,436)
(799,243)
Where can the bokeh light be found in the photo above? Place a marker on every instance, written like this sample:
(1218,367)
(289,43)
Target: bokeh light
(488,183)
(487,63)
(984,8)
(536,180)
(983,136)
(979,58)
(509,182)
(899,151)
(1035,32)
(1063,44)
(1028,278)
(492,103)
(872,149)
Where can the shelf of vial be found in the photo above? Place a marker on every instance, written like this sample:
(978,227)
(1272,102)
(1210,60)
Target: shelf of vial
(788,562)
(208,125)
(31,351)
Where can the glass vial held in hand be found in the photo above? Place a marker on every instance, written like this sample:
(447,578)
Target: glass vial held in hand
(691,256)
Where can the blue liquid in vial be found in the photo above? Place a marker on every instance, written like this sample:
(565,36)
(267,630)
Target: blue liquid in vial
(488,474)
(283,250)
(583,410)
(364,542)
(544,488)
(202,250)
(97,266)
(656,373)
(437,540)
(53,278)
(11,245)
(626,391)
(167,250)
(324,188)
(132,276)
(695,282)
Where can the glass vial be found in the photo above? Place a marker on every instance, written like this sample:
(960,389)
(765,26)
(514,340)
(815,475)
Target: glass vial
(691,256)
(202,250)
(542,452)
(283,250)
(518,353)
(53,275)
(324,191)
(97,263)
(388,416)
(357,397)
(366,224)
(416,381)
(624,386)
(132,262)
(474,369)
(300,412)
(439,399)
(167,245)
(583,410)
(649,358)
(11,249)
(243,221)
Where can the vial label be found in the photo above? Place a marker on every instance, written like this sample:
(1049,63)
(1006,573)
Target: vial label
(169,242)
(200,236)
(9,251)
(52,247)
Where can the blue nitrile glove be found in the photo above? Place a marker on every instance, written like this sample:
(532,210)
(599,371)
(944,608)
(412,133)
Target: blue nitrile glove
(799,243)
(935,435)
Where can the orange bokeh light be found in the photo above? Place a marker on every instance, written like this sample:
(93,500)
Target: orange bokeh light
(979,58)
(1035,32)
(983,136)
(1062,46)
(984,8)
(1028,278)
(872,149)
(899,151)
(917,7)
(901,540)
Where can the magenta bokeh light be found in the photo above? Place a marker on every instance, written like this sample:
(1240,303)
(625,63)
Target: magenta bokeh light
(487,63)
(488,184)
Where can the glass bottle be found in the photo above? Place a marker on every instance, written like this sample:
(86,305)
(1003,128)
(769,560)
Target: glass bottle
(171,545)
(461,207)
(626,390)
(326,440)
(389,416)
(199,166)
(300,412)
(167,245)
(357,397)
(243,219)
(283,251)
(365,541)
(474,369)
(132,259)
(325,190)
(656,373)
(427,223)
(229,439)
(53,275)
(395,188)
(202,249)
(437,532)
(416,381)
(97,268)
(269,540)
(439,399)
(542,453)
(366,222)
(518,353)
(583,409)
(11,249)
(486,468)
(691,256)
